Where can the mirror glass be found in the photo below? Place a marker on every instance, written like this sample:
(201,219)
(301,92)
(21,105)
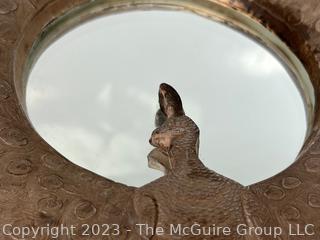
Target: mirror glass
(92,95)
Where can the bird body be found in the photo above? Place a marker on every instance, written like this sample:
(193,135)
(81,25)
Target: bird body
(195,203)
(192,201)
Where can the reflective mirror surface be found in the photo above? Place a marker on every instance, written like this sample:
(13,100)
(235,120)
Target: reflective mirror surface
(93,95)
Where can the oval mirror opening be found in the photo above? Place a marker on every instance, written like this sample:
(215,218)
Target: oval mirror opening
(92,95)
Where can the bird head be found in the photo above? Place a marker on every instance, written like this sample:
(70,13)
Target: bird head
(175,132)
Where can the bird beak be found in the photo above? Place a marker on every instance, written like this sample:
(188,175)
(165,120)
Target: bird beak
(158,160)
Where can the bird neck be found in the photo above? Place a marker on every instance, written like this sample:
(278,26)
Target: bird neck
(184,160)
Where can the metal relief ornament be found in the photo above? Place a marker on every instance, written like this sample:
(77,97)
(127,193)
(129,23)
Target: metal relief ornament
(40,188)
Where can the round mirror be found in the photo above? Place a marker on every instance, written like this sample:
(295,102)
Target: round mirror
(92,95)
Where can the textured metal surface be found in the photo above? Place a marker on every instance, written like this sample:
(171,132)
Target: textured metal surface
(38,187)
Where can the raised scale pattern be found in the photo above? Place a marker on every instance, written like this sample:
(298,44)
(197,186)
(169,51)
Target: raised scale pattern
(290,213)
(13,137)
(19,167)
(53,161)
(84,210)
(38,187)
(274,192)
(51,182)
(312,164)
(291,182)
(49,205)
(314,200)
